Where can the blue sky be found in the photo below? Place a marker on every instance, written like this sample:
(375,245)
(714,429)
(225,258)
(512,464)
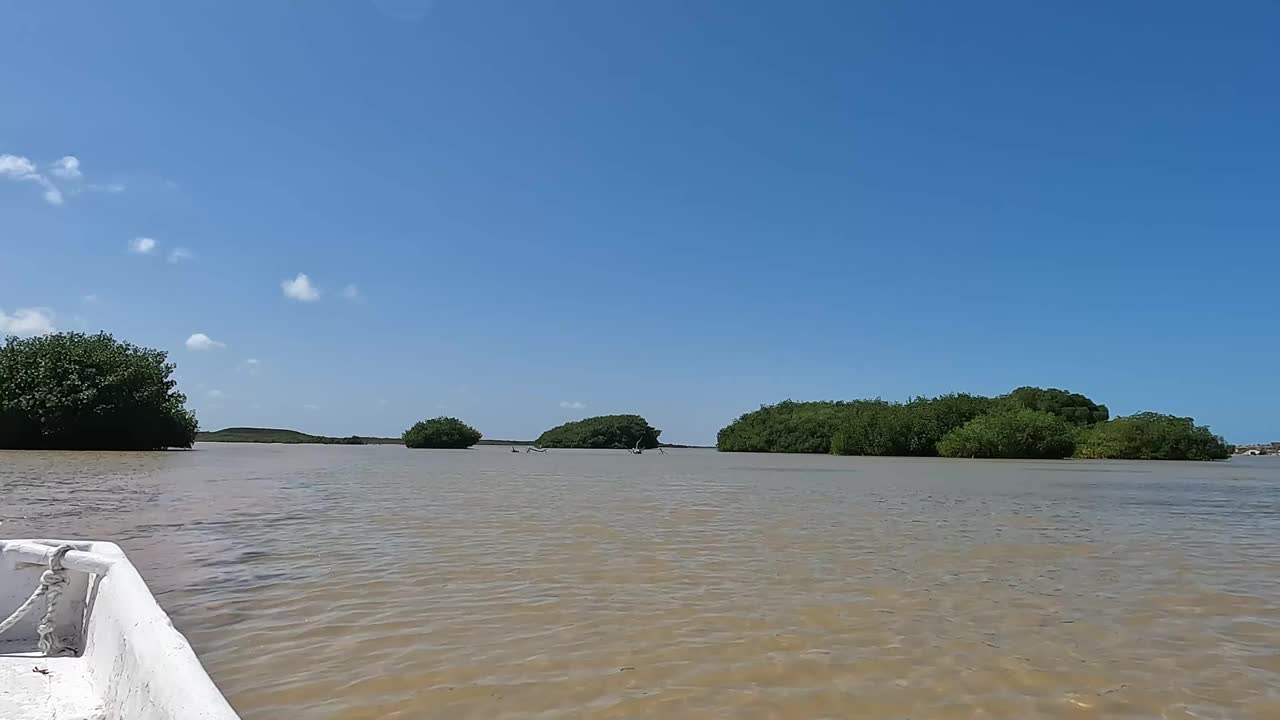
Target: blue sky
(679,209)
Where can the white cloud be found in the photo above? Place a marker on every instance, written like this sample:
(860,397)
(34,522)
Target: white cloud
(177,255)
(16,167)
(382,402)
(67,168)
(572,404)
(216,394)
(351,292)
(310,406)
(92,299)
(27,322)
(251,361)
(52,195)
(250,365)
(142,245)
(300,288)
(200,342)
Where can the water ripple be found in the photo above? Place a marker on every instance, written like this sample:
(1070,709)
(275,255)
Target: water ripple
(375,582)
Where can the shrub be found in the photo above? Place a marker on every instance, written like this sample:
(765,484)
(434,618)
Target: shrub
(72,391)
(789,426)
(604,431)
(1018,433)
(875,428)
(1152,436)
(859,427)
(441,432)
(1072,407)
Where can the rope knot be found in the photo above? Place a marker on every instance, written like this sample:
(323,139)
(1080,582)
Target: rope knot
(50,588)
(49,578)
(55,560)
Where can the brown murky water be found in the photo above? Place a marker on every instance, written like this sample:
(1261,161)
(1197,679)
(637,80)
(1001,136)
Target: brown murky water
(377,582)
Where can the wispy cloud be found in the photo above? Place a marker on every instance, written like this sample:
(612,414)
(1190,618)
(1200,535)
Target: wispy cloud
(142,245)
(27,322)
(216,394)
(351,292)
(65,170)
(310,406)
(199,342)
(92,299)
(300,289)
(178,255)
(572,404)
(16,167)
(250,365)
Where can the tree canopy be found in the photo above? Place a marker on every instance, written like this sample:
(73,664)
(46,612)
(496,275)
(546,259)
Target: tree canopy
(1028,422)
(1071,407)
(875,427)
(603,431)
(72,391)
(789,426)
(441,432)
(1151,436)
(1011,433)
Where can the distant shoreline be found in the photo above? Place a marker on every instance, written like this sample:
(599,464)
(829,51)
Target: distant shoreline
(279,436)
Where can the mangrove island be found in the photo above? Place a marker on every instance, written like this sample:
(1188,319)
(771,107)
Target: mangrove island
(1028,422)
(72,391)
(602,432)
(441,433)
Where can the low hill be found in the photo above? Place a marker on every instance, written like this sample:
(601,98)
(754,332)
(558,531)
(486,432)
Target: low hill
(276,435)
(293,437)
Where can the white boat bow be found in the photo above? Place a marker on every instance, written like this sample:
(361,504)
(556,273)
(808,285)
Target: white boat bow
(105,652)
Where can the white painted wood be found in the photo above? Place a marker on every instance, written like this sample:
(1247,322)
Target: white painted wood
(132,664)
(33,687)
(35,553)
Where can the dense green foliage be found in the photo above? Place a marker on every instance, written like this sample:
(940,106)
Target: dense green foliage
(1151,436)
(274,435)
(860,427)
(1029,422)
(1074,408)
(89,392)
(789,426)
(1011,433)
(604,431)
(875,427)
(441,432)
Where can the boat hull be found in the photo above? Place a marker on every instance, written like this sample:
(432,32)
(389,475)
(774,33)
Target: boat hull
(129,661)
